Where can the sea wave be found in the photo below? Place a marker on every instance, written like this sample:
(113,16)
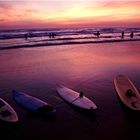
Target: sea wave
(36,37)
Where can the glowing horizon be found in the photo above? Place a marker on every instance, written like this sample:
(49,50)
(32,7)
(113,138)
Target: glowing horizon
(67,13)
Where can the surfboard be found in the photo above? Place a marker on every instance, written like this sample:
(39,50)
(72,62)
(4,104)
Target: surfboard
(75,98)
(33,104)
(127,92)
(7,113)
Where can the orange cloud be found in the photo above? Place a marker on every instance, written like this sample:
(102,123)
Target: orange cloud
(67,12)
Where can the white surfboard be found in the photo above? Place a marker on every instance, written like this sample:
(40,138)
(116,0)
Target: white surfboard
(7,113)
(33,104)
(74,98)
(127,92)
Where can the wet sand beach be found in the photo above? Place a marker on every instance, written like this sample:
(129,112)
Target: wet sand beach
(90,68)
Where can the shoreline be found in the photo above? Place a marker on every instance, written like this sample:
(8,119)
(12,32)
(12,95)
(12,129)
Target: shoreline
(67,43)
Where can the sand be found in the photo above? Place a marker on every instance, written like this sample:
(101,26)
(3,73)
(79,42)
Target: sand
(90,68)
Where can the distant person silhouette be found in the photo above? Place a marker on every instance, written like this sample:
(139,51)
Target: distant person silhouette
(53,35)
(50,35)
(131,34)
(97,34)
(122,34)
(26,36)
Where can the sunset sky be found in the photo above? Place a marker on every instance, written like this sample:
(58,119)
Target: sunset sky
(69,13)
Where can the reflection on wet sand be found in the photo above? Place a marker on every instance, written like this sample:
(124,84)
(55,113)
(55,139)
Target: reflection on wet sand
(89,68)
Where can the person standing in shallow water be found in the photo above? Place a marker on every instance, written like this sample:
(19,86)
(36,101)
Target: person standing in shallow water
(131,34)
(50,35)
(123,34)
(97,34)
(26,36)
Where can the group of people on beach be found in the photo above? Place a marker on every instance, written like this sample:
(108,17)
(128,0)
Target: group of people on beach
(131,34)
(97,34)
(27,35)
(122,34)
(52,35)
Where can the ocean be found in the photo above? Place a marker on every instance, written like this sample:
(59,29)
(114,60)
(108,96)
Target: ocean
(40,37)
(90,68)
